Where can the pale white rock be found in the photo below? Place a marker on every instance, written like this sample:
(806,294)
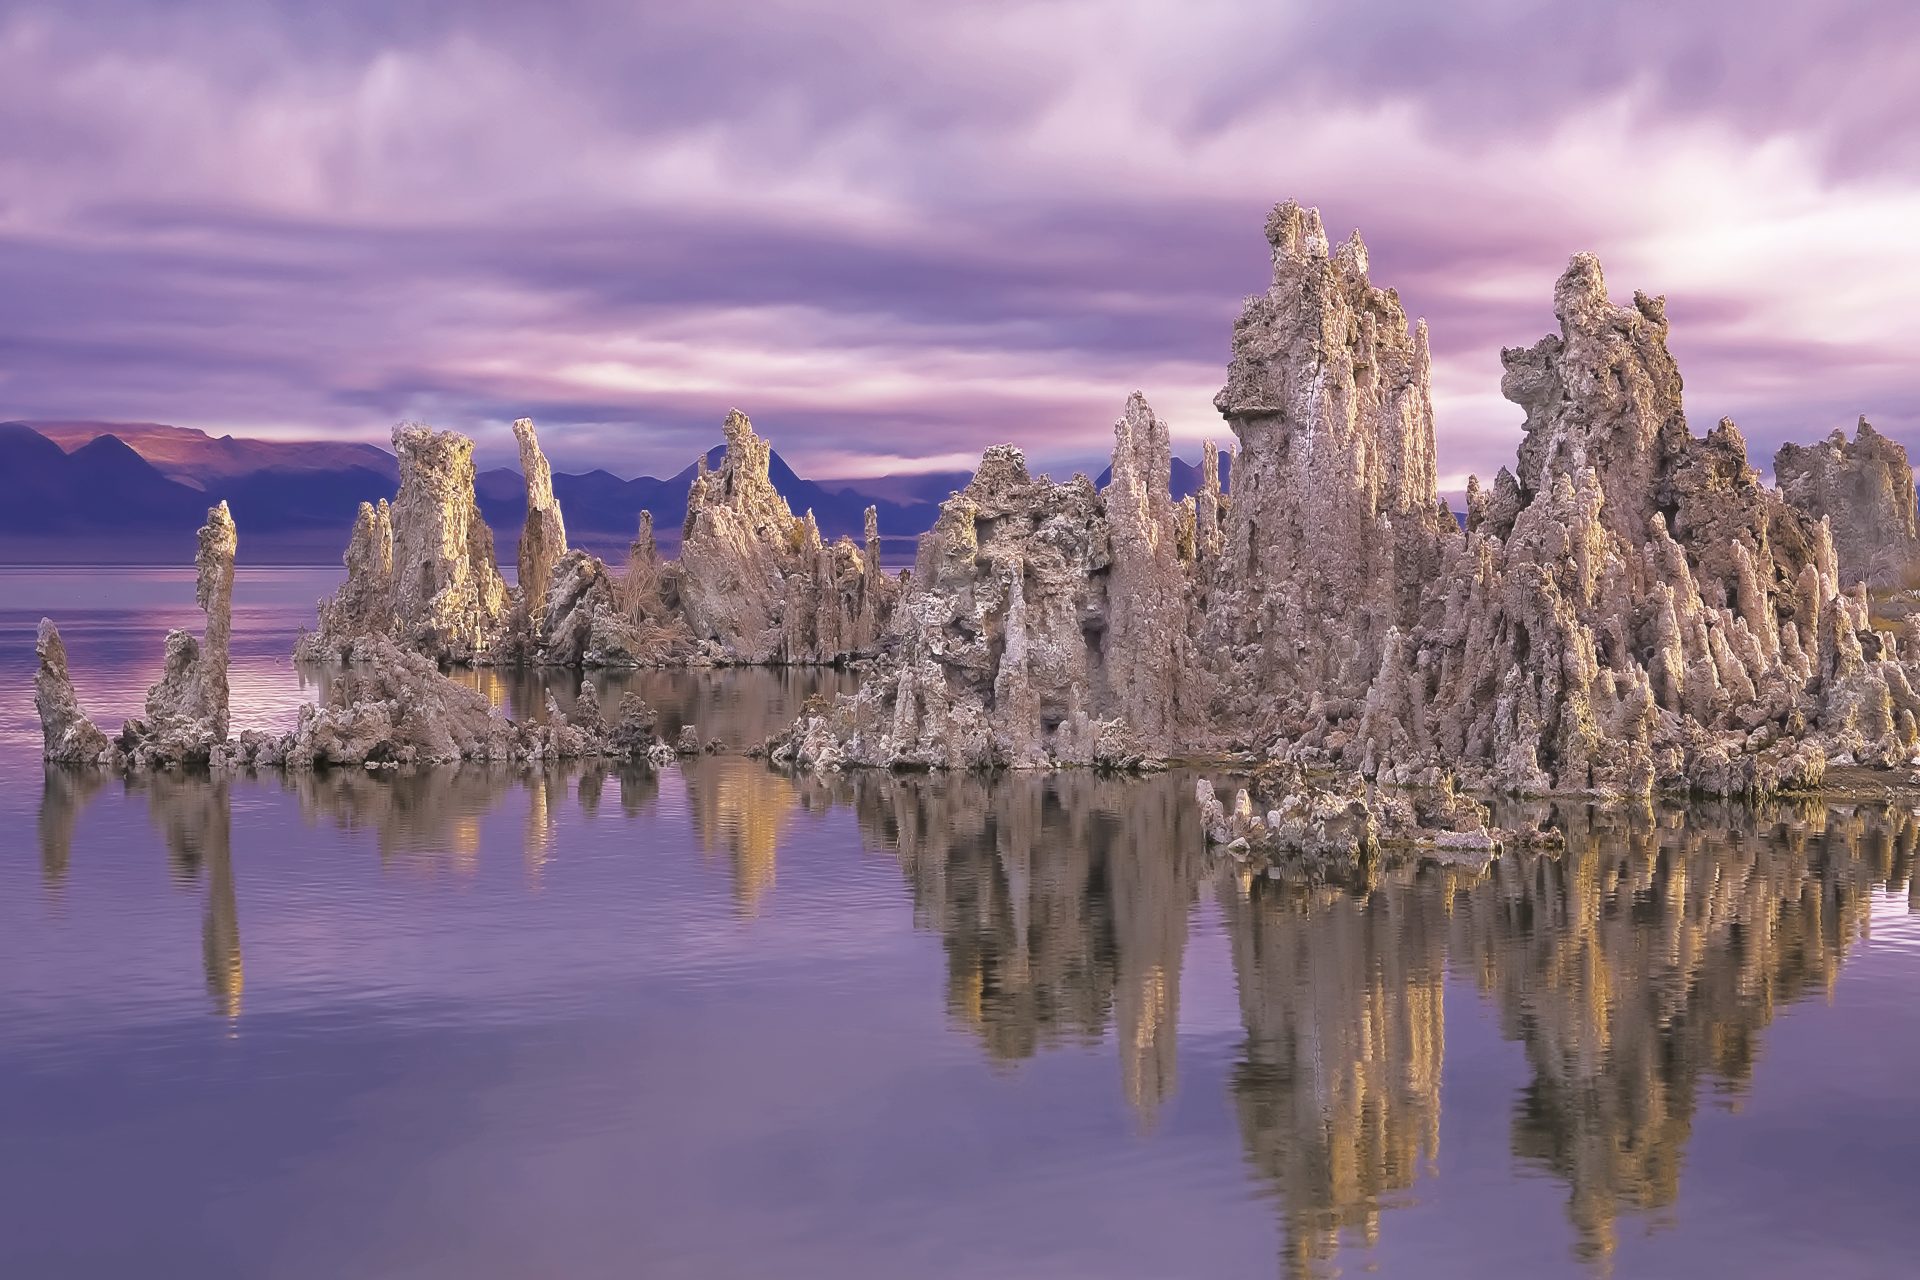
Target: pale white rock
(758,584)
(543,538)
(185,720)
(421,572)
(67,735)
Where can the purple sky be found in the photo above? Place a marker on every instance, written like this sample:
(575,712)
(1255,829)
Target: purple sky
(894,237)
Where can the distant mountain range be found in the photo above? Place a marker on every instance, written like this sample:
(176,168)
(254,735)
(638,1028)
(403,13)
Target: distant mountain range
(92,491)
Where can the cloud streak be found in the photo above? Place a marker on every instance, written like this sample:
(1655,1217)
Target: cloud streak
(899,234)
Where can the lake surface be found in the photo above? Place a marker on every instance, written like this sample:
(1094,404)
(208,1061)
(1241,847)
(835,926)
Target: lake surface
(717,1021)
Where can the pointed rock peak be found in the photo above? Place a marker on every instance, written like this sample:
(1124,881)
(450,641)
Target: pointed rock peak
(533,464)
(748,454)
(1580,295)
(1142,448)
(1351,257)
(214,559)
(1728,436)
(1295,233)
(1001,464)
(739,429)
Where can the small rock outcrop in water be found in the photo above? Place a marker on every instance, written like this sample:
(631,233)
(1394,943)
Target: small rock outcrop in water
(394,707)
(1347,827)
(1864,489)
(185,721)
(758,584)
(423,571)
(69,737)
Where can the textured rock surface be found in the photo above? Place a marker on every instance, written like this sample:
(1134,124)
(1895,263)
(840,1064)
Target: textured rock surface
(543,538)
(1629,608)
(1632,609)
(185,720)
(1314,828)
(1864,489)
(998,654)
(422,572)
(68,736)
(757,584)
(393,706)
(1336,530)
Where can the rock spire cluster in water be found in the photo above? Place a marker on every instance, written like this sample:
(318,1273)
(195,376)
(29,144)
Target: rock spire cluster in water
(753,583)
(1626,609)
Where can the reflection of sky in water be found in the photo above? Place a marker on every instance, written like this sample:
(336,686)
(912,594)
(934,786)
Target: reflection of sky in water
(716,1021)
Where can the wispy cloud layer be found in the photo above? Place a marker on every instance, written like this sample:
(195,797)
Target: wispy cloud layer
(889,232)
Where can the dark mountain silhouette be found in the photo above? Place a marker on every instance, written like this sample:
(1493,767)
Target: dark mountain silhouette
(192,457)
(80,491)
(85,491)
(101,486)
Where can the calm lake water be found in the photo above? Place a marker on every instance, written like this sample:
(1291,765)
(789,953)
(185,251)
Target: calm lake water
(720,1022)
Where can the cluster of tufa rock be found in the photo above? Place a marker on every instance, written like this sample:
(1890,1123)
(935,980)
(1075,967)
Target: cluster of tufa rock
(1314,827)
(1864,490)
(424,591)
(1628,608)
(753,583)
(1625,609)
(1045,623)
(185,717)
(759,585)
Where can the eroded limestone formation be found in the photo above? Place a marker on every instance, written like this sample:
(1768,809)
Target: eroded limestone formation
(395,707)
(1628,608)
(422,572)
(1336,530)
(1045,624)
(67,735)
(1633,609)
(758,584)
(185,720)
(754,584)
(391,705)
(543,538)
(1864,488)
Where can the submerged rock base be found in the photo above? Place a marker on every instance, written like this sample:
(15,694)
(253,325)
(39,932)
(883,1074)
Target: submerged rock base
(1305,828)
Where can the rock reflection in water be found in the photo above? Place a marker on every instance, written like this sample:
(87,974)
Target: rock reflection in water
(1637,971)
(1643,965)
(1338,1088)
(1062,900)
(741,807)
(64,792)
(194,816)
